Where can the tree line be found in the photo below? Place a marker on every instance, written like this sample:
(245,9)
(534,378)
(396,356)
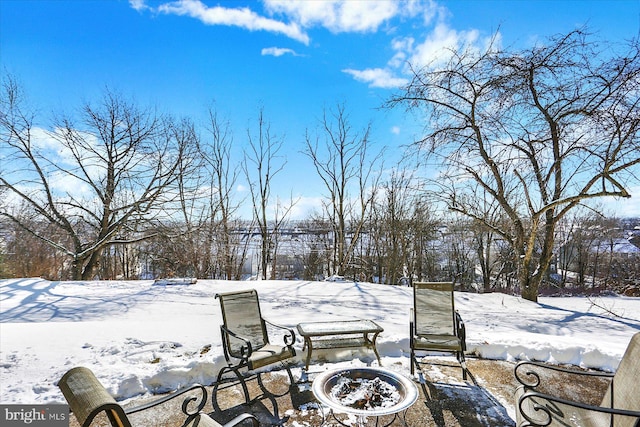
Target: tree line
(520,140)
(596,254)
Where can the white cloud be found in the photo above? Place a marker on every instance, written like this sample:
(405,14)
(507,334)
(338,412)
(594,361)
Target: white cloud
(395,130)
(236,17)
(377,77)
(305,207)
(433,11)
(278,51)
(434,50)
(49,145)
(438,46)
(340,15)
(138,5)
(402,47)
(42,139)
(64,182)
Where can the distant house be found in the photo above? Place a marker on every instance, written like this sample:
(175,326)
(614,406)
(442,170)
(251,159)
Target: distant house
(620,246)
(598,256)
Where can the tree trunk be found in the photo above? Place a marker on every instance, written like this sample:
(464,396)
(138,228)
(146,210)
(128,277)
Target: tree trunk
(529,285)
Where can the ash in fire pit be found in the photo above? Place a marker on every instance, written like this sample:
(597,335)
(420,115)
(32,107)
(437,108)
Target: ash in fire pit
(365,394)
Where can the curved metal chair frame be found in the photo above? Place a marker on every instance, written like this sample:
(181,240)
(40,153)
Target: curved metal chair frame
(246,343)
(620,405)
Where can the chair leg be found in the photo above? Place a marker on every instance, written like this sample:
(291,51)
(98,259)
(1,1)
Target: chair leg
(219,381)
(463,363)
(260,383)
(465,371)
(292,381)
(412,360)
(459,356)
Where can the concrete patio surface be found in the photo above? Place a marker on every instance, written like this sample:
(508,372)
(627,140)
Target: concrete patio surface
(445,400)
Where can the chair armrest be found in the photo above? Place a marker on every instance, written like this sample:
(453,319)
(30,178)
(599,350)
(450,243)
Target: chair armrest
(241,418)
(185,404)
(289,336)
(411,323)
(87,397)
(526,375)
(227,334)
(541,409)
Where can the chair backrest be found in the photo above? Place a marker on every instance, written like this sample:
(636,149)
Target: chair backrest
(433,308)
(624,390)
(241,315)
(87,397)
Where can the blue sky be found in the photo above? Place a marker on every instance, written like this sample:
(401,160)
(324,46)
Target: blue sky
(291,58)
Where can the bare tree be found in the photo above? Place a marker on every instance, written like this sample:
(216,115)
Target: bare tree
(281,213)
(540,131)
(459,250)
(351,176)
(390,229)
(577,235)
(26,255)
(91,180)
(424,228)
(483,241)
(313,247)
(184,239)
(260,166)
(230,247)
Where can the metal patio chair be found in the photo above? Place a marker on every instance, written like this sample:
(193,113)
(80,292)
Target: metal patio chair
(435,325)
(539,404)
(87,398)
(245,340)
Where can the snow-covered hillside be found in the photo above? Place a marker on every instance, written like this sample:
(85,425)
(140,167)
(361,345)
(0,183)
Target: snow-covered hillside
(142,337)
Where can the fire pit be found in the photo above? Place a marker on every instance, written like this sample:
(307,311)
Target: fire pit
(365,392)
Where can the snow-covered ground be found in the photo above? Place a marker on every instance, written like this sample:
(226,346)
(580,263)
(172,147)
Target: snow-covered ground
(140,337)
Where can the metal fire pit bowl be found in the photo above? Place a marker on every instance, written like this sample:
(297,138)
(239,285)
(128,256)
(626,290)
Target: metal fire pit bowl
(324,382)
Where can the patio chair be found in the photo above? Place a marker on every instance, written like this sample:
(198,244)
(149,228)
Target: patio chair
(245,340)
(87,398)
(620,405)
(435,325)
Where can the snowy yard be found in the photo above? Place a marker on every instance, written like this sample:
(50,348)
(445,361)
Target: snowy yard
(140,337)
